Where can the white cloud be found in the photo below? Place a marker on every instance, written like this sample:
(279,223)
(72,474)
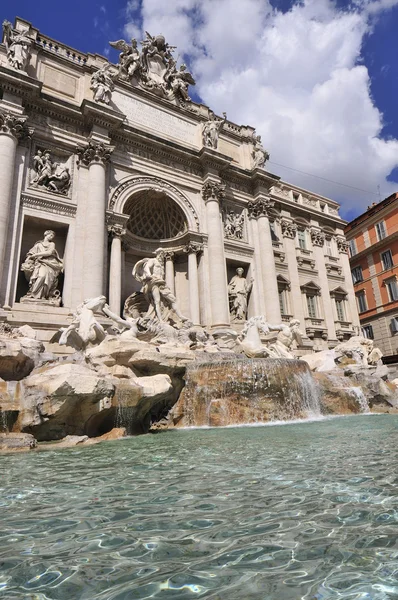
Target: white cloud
(296,76)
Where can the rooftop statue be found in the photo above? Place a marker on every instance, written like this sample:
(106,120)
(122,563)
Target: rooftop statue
(259,153)
(18,46)
(154,68)
(102,84)
(211,130)
(42,267)
(129,58)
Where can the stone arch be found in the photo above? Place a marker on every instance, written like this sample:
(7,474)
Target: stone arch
(133,185)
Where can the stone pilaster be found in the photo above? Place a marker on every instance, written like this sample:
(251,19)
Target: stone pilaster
(258,284)
(213,193)
(261,210)
(95,156)
(169,269)
(115,271)
(289,232)
(342,246)
(193,249)
(318,241)
(12,129)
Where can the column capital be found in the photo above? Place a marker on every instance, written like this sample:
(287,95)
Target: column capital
(15,126)
(262,207)
(193,248)
(213,190)
(94,152)
(317,237)
(289,228)
(168,255)
(116,230)
(342,245)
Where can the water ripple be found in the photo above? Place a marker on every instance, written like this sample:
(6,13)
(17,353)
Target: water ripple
(307,511)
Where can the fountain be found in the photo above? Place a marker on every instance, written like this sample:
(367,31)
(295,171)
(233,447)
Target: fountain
(153,369)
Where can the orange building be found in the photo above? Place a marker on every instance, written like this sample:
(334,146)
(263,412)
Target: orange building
(373,239)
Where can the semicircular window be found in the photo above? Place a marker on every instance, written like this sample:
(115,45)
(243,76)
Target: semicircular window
(155,216)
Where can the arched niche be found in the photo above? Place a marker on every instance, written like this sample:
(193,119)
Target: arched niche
(131,193)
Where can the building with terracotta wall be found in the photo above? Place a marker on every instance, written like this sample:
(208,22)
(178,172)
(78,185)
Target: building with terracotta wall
(373,239)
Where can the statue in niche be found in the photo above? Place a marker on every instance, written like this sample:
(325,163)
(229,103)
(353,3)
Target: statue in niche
(129,58)
(259,154)
(50,175)
(102,84)
(18,46)
(211,130)
(163,303)
(233,225)
(238,291)
(42,267)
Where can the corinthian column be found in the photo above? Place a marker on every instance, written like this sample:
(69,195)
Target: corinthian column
(95,156)
(12,129)
(261,210)
(213,192)
(193,249)
(115,271)
(169,269)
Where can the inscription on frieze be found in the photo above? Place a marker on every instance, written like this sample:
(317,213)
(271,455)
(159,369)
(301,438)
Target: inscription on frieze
(139,113)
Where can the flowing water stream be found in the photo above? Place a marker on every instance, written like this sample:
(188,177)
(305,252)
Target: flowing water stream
(300,511)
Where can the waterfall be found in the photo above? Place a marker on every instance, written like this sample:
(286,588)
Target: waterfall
(360,398)
(233,391)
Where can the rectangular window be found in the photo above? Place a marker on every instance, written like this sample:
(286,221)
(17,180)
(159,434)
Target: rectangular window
(356,273)
(392,289)
(381,230)
(367,331)
(282,301)
(353,248)
(386,259)
(361,299)
(301,238)
(311,306)
(394,325)
(340,309)
(272,228)
(328,247)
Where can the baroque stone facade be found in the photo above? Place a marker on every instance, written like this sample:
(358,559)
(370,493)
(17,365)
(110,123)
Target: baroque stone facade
(117,161)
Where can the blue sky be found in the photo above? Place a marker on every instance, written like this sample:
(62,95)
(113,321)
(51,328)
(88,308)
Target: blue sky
(319,79)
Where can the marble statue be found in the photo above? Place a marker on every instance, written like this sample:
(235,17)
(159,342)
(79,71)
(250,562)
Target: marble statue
(129,58)
(163,303)
(211,130)
(259,154)
(250,340)
(180,81)
(274,347)
(233,225)
(102,84)
(287,334)
(85,329)
(18,47)
(154,68)
(49,174)
(42,267)
(238,291)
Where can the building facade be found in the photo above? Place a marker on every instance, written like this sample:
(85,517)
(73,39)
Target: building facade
(373,248)
(119,163)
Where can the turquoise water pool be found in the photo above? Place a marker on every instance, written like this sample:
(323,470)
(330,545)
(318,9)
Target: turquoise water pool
(299,511)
